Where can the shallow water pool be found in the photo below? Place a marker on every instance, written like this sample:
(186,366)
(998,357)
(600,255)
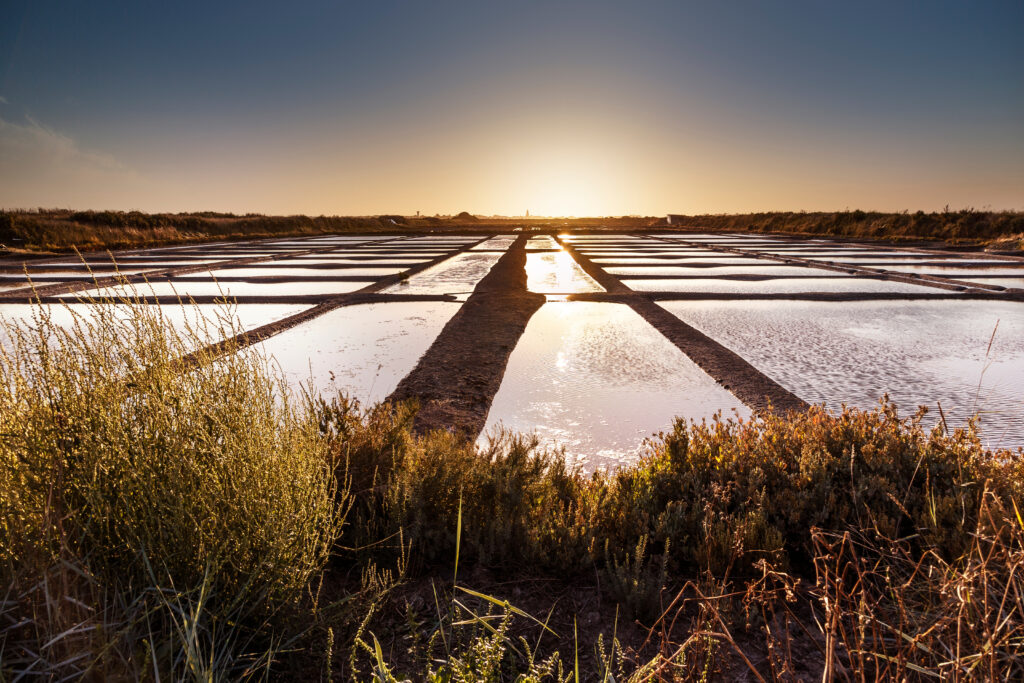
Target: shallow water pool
(210,322)
(596,378)
(759,268)
(1008,282)
(920,352)
(557,272)
(175,289)
(362,350)
(460,273)
(955,271)
(783,285)
(302,272)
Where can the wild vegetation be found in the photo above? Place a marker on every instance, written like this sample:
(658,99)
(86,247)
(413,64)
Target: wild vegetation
(1000,229)
(64,230)
(56,230)
(158,524)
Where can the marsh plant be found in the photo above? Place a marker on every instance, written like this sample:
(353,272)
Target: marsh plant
(169,510)
(154,517)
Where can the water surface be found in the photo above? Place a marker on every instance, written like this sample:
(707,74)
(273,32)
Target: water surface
(210,322)
(460,273)
(184,289)
(596,378)
(778,286)
(362,350)
(920,352)
(557,272)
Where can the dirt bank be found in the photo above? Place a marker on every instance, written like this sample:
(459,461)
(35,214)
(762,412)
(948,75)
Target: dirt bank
(456,379)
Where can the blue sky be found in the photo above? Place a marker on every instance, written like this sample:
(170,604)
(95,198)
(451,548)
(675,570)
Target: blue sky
(557,107)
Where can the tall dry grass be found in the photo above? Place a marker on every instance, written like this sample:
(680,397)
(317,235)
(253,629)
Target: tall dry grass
(152,521)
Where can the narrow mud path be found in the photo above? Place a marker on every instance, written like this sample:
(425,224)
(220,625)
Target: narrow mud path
(729,369)
(456,379)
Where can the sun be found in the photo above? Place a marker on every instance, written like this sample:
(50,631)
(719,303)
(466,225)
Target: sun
(564,190)
(562,181)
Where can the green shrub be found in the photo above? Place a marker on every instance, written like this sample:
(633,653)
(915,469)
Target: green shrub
(519,503)
(724,489)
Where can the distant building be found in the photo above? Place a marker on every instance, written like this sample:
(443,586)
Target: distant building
(675,219)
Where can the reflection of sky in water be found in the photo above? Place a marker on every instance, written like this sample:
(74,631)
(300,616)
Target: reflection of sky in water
(296,263)
(554,272)
(598,379)
(208,321)
(707,260)
(920,352)
(496,242)
(460,273)
(301,272)
(953,271)
(842,253)
(759,268)
(879,258)
(22,281)
(541,242)
(1008,282)
(646,256)
(172,290)
(300,261)
(362,350)
(777,286)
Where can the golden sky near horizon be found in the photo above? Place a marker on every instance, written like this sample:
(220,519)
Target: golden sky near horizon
(575,108)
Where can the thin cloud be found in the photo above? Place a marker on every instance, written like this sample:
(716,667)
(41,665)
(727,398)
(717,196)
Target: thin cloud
(40,166)
(3,100)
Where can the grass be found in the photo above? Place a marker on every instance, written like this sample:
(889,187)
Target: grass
(137,499)
(64,230)
(997,229)
(163,524)
(59,230)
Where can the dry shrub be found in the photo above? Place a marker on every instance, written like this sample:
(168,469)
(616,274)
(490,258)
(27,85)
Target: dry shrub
(889,612)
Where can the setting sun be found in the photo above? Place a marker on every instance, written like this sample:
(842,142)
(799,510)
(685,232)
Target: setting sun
(567,183)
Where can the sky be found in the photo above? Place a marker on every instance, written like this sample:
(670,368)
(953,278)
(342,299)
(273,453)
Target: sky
(557,108)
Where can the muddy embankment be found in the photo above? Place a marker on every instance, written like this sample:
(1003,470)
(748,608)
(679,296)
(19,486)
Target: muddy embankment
(746,382)
(456,379)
